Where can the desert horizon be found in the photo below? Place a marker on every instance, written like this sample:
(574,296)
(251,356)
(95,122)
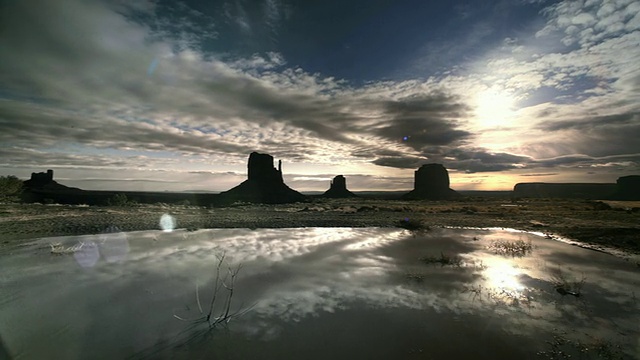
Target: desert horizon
(280,179)
(215,182)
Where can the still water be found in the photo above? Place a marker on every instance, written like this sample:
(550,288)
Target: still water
(316,293)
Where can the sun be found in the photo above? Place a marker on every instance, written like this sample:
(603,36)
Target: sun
(493,108)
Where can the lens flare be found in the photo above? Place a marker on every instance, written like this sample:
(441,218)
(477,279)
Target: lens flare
(167,223)
(88,255)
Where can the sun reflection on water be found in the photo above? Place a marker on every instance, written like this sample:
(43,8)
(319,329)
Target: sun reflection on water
(502,275)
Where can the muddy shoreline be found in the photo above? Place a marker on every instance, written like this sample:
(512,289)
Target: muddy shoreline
(596,224)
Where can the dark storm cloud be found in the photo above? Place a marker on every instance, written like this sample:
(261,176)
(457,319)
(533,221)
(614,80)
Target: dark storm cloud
(598,136)
(469,160)
(85,79)
(422,121)
(487,157)
(607,121)
(565,160)
(21,157)
(590,161)
(76,72)
(400,162)
(253,100)
(472,160)
(540,174)
(43,126)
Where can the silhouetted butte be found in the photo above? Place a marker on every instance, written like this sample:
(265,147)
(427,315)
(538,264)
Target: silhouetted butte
(431,183)
(264,184)
(338,189)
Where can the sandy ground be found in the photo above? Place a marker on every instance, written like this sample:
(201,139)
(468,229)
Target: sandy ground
(597,223)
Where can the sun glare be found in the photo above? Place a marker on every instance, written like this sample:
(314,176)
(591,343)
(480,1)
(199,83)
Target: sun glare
(493,108)
(504,276)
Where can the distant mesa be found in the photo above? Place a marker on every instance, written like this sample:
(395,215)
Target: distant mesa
(338,189)
(44,181)
(564,190)
(264,185)
(627,188)
(431,183)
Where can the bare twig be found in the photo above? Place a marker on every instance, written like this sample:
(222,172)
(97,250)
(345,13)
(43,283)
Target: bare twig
(228,283)
(198,299)
(216,286)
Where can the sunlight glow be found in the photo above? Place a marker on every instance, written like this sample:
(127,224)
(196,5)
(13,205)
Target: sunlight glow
(504,276)
(493,108)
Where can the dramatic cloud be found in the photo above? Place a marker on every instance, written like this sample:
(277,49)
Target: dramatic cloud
(188,86)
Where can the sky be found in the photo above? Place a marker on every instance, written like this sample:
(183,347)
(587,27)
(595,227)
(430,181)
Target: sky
(159,95)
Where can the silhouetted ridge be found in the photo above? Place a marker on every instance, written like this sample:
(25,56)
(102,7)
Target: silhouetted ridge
(338,189)
(627,188)
(564,190)
(264,184)
(432,183)
(44,181)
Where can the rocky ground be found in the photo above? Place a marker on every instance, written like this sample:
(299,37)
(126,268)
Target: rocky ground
(596,223)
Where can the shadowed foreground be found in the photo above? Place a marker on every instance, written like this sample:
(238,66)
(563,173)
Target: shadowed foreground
(318,293)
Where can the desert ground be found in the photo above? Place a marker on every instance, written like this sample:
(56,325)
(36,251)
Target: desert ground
(304,275)
(606,225)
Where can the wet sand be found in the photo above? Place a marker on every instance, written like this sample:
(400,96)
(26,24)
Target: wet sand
(605,225)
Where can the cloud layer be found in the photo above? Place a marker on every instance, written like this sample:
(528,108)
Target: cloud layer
(111,85)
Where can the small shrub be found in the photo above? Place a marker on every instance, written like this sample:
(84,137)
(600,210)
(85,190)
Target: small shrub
(517,248)
(443,259)
(120,200)
(10,188)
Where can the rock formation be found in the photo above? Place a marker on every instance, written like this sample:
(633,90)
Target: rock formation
(338,189)
(44,181)
(564,190)
(627,188)
(431,182)
(264,184)
(39,179)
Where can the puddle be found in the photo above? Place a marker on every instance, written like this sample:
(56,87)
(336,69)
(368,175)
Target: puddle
(317,293)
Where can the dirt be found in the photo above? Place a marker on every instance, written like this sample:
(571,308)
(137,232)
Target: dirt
(613,225)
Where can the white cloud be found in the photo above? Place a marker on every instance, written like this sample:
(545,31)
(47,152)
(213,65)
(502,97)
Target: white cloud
(85,80)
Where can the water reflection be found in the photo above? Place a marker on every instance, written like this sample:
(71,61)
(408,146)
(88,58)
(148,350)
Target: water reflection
(503,275)
(308,286)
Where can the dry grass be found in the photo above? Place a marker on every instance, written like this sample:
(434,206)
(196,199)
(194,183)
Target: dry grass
(562,347)
(518,248)
(443,260)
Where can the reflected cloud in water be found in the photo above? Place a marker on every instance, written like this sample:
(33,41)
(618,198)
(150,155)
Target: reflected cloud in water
(294,275)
